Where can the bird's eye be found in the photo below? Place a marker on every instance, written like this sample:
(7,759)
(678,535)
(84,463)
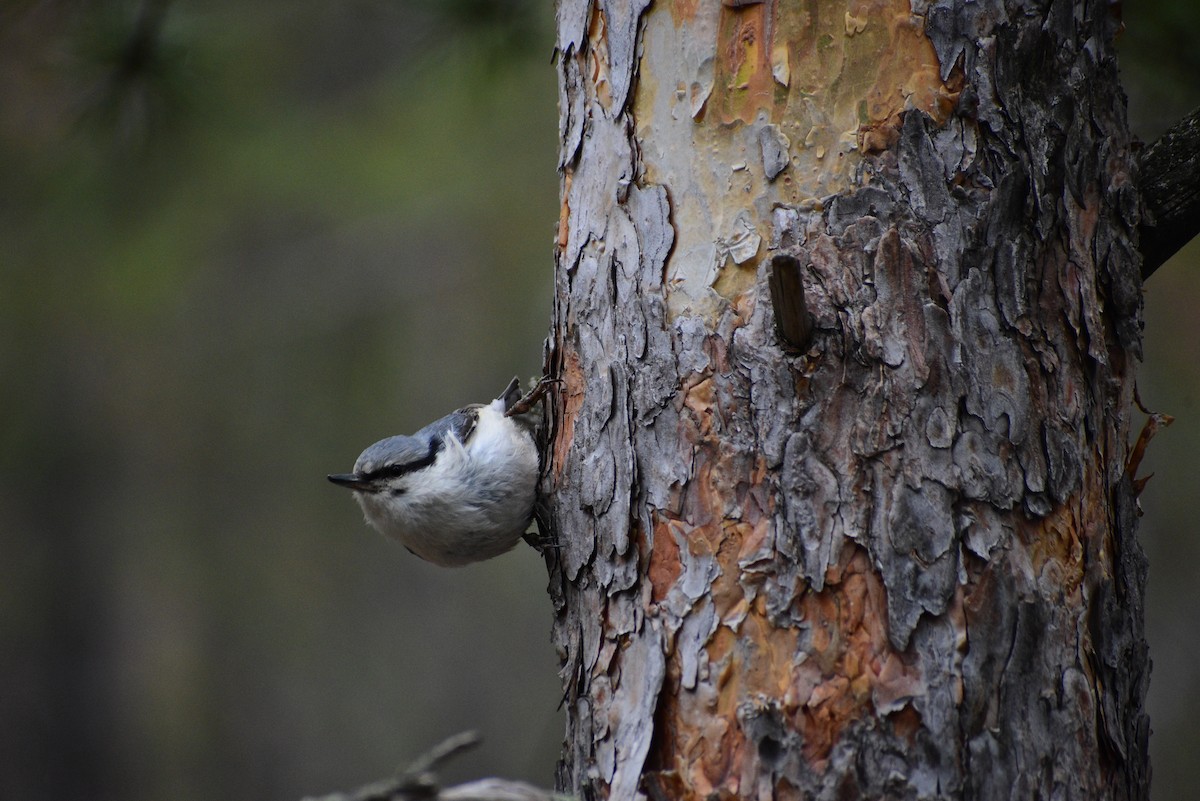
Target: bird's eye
(394,470)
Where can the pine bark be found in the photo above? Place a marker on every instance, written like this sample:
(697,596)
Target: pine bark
(901,563)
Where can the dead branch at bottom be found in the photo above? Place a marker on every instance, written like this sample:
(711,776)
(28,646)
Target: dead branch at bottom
(418,782)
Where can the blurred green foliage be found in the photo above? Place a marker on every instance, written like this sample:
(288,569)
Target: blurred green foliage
(238,242)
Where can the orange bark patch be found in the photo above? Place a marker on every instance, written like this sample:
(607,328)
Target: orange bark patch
(821,677)
(708,749)
(864,67)
(664,567)
(906,723)
(1056,547)
(763,659)
(598,58)
(564,212)
(572,396)
(743,66)
(909,76)
(755,533)
(695,747)
(849,660)
(683,10)
(698,399)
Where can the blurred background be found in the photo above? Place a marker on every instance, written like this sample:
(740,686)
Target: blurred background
(239,242)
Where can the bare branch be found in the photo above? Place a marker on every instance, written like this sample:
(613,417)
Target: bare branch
(496,790)
(419,783)
(451,746)
(1170,189)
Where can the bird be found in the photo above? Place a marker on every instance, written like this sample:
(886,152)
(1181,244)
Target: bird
(460,490)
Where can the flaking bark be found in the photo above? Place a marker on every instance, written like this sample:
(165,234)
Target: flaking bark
(901,564)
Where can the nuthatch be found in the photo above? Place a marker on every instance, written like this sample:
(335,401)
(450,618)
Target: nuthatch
(460,490)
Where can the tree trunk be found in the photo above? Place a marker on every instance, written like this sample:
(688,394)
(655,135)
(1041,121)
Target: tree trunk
(898,562)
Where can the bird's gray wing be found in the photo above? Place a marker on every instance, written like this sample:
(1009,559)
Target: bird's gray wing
(460,423)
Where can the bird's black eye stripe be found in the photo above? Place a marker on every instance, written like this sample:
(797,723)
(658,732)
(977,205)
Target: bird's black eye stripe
(404,468)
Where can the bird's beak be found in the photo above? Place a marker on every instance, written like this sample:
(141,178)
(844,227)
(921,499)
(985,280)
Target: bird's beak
(351,481)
